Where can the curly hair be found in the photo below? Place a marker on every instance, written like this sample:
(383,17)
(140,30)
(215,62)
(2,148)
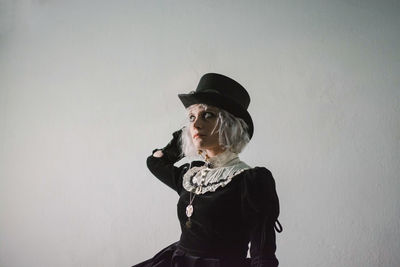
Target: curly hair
(233,133)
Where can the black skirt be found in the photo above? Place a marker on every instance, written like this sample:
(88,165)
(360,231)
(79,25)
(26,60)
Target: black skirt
(175,256)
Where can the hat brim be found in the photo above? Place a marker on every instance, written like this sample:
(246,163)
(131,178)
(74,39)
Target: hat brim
(217,100)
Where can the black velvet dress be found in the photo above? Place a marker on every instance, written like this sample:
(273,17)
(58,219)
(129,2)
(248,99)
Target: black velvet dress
(223,223)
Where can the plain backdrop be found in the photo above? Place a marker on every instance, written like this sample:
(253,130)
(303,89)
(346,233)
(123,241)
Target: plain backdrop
(89,88)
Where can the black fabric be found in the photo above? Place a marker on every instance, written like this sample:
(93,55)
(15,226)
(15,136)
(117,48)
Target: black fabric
(223,222)
(173,150)
(176,256)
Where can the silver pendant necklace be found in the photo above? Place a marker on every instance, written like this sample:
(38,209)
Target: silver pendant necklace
(189,211)
(189,208)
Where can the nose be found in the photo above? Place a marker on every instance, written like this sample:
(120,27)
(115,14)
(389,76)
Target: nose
(197,123)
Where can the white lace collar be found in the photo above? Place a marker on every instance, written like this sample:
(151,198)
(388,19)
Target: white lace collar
(218,173)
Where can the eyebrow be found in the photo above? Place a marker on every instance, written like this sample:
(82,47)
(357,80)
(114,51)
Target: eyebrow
(208,108)
(205,110)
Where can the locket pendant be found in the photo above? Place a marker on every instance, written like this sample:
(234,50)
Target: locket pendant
(189,210)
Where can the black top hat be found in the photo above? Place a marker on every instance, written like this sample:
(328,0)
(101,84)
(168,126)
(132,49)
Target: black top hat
(223,92)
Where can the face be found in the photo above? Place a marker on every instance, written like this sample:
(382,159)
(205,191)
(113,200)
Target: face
(204,129)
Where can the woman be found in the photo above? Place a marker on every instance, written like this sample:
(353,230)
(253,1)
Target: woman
(224,204)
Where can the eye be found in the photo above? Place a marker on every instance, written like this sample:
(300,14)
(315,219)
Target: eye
(208,115)
(192,118)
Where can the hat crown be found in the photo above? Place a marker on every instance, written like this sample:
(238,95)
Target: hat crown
(225,86)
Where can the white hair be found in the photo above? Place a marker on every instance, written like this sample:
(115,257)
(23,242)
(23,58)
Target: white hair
(233,133)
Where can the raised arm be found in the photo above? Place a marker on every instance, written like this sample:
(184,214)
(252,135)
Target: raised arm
(161,163)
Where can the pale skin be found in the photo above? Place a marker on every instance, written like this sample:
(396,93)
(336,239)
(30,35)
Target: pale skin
(203,130)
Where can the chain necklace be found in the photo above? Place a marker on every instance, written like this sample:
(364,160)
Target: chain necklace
(189,208)
(189,211)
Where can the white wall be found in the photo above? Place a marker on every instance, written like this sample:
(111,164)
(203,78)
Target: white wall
(87,90)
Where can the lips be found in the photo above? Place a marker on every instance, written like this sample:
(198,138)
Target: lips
(198,135)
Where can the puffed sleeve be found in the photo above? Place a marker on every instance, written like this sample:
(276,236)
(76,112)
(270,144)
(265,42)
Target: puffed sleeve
(166,172)
(260,206)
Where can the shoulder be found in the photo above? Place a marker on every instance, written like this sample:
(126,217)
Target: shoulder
(258,176)
(259,170)
(258,189)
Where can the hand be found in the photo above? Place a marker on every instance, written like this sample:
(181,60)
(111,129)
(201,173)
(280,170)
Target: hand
(158,154)
(172,151)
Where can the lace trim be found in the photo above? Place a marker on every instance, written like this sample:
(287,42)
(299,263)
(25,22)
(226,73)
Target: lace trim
(200,180)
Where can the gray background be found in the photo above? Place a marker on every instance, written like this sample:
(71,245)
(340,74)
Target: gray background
(88,89)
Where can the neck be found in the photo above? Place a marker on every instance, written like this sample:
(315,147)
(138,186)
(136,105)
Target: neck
(226,158)
(213,152)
